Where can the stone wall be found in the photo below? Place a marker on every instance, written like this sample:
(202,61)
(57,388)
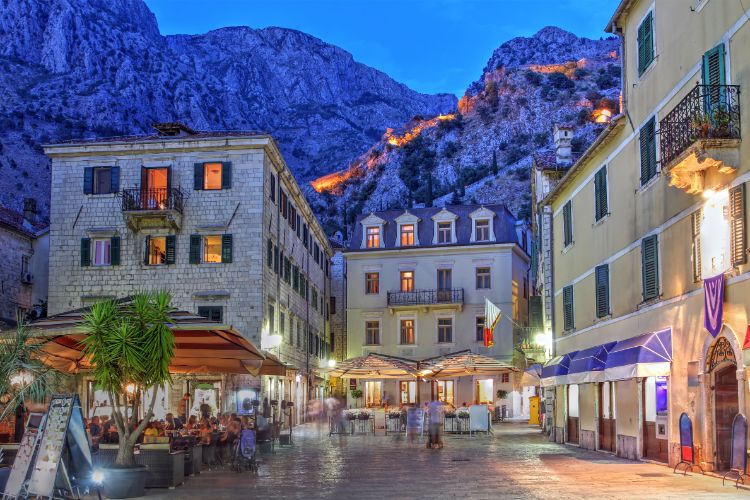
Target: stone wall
(338,290)
(14,293)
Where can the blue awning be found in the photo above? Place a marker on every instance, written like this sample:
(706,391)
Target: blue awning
(588,365)
(532,376)
(648,355)
(555,371)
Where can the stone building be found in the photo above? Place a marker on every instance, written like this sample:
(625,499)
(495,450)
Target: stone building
(649,241)
(215,218)
(23,263)
(338,301)
(417,280)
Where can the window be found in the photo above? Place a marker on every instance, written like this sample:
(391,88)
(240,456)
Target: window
(212,176)
(299,334)
(292,217)
(482,229)
(102,253)
(25,263)
(372,332)
(282,324)
(314,300)
(212,313)
(373,237)
(568,223)
(444,232)
(269,252)
(479,322)
(101,180)
(600,194)
(283,203)
(737,236)
(648,151)
(271,319)
(407,332)
(160,250)
(445,330)
(295,278)
(650,267)
(568,319)
(407,281)
(332,305)
(212,249)
(483,278)
(372,283)
(299,226)
(305,235)
(444,390)
(373,393)
(505,378)
(444,279)
(696,219)
(408,391)
(276,259)
(602,290)
(407,235)
(272,188)
(645,43)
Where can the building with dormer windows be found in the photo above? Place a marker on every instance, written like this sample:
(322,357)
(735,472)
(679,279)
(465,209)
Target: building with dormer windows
(417,280)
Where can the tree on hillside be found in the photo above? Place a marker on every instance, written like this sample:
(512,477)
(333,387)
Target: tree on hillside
(494,166)
(416,170)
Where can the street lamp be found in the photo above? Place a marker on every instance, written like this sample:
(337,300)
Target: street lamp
(331,363)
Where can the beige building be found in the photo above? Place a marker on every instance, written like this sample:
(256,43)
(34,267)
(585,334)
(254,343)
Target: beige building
(417,280)
(215,218)
(655,206)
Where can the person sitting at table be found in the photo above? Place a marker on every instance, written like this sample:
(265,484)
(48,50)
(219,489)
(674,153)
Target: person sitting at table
(205,433)
(151,430)
(95,430)
(192,422)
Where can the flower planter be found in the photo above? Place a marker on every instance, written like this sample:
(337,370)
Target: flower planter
(124,482)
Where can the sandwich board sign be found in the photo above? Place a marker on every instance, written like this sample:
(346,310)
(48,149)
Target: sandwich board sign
(64,453)
(19,471)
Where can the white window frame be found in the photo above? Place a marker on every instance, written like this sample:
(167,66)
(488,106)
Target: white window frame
(452,318)
(108,246)
(482,214)
(380,331)
(371,221)
(476,276)
(407,219)
(398,330)
(444,216)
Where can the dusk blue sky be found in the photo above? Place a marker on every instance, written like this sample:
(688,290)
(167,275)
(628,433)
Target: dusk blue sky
(430,45)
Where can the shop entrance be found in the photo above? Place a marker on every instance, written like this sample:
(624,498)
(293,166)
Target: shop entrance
(654,404)
(607,440)
(573,414)
(727,405)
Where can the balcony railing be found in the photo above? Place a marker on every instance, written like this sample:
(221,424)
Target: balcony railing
(707,112)
(426,297)
(136,199)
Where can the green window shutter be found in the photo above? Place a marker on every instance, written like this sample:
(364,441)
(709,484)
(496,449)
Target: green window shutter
(269,253)
(738,239)
(226,248)
(85,252)
(648,151)
(198,176)
(568,223)
(145,253)
(226,175)
(88,180)
(600,193)
(696,220)
(114,182)
(171,247)
(276,259)
(650,267)
(568,320)
(195,249)
(114,250)
(602,291)
(645,43)
(713,66)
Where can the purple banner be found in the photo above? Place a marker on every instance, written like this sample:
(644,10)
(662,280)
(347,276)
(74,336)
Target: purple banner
(714,303)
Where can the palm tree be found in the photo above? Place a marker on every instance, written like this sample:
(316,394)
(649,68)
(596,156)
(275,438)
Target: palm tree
(130,347)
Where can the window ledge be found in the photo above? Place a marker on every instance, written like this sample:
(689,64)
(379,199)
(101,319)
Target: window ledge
(567,248)
(649,68)
(569,332)
(649,302)
(645,187)
(601,221)
(445,344)
(603,319)
(372,345)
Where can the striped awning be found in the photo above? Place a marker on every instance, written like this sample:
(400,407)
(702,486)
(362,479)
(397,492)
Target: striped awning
(375,366)
(555,371)
(463,363)
(201,346)
(588,365)
(648,355)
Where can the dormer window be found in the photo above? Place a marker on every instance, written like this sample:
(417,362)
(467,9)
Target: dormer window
(444,232)
(373,237)
(407,235)
(483,230)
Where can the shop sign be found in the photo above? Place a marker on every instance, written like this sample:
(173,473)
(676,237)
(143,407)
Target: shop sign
(714,304)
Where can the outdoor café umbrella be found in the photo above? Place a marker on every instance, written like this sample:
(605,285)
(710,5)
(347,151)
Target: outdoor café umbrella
(201,345)
(375,366)
(463,363)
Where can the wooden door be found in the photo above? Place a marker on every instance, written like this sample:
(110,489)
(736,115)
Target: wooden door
(727,406)
(607,438)
(573,414)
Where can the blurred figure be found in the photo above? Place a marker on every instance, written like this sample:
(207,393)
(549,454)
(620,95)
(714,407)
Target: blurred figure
(435,418)
(20,427)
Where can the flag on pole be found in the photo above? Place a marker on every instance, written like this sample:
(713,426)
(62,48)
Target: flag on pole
(492,315)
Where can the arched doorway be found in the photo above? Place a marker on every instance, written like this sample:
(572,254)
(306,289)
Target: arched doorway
(722,365)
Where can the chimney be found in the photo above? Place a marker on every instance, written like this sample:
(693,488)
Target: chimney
(29,209)
(563,135)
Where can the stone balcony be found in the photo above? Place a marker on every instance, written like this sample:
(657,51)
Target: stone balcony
(153,208)
(701,137)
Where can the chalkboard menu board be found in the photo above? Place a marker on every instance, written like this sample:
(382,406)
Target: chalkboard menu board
(24,455)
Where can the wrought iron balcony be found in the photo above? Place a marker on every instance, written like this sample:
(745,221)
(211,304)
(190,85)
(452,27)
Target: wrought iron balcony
(426,297)
(707,118)
(153,207)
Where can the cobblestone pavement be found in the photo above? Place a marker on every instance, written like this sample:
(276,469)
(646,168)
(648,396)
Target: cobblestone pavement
(515,462)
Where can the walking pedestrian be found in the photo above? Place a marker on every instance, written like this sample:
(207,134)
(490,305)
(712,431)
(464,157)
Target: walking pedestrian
(435,416)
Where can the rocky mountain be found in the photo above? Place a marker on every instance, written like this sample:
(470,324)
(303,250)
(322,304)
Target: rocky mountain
(481,152)
(82,68)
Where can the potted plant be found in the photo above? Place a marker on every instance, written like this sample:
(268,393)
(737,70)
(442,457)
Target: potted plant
(357,394)
(130,346)
(701,125)
(501,394)
(720,122)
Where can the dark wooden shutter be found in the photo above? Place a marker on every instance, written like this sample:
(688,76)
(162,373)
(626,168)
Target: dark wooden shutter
(600,193)
(276,259)
(650,267)
(568,223)
(145,253)
(226,248)
(85,251)
(602,291)
(696,219)
(114,181)
(272,187)
(645,43)
(226,175)
(568,321)
(195,248)
(114,250)
(198,176)
(88,180)
(738,239)
(171,241)
(269,251)
(648,151)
